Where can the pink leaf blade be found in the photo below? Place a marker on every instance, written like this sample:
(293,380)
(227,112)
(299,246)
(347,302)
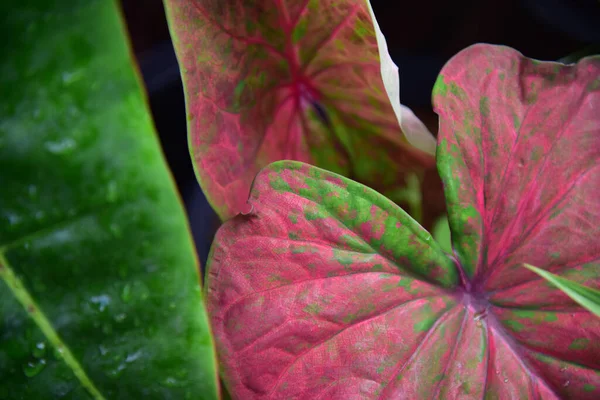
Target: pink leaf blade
(287,79)
(281,279)
(518,151)
(509,127)
(324,291)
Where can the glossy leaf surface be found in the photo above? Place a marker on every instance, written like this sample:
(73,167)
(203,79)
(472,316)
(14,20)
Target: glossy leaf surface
(99,290)
(289,79)
(328,290)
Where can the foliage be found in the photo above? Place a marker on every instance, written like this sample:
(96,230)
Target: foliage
(293,79)
(329,290)
(99,288)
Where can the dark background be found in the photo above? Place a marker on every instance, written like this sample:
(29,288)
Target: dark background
(421,35)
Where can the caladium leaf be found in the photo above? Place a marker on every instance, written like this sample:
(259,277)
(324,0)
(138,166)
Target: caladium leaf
(585,296)
(519,155)
(99,287)
(328,290)
(289,79)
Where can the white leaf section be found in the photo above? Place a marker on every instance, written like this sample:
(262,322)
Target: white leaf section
(414,130)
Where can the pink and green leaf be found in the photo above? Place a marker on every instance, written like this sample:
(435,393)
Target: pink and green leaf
(519,155)
(329,290)
(290,79)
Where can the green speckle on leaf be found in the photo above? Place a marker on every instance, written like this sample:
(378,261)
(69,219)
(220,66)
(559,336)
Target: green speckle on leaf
(457,91)
(550,317)
(349,318)
(516,121)
(484,106)
(300,30)
(589,387)
(537,153)
(361,29)
(440,88)
(514,325)
(377,267)
(279,184)
(525,314)
(312,309)
(293,218)
(312,214)
(594,85)
(579,344)
(426,318)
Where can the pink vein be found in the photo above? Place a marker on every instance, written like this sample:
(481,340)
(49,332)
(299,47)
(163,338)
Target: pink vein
(488,366)
(285,20)
(248,40)
(521,240)
(352,325)
(302,10)
(345,22)
(532,182)
(553,270)
(297,283)
(453,353)
(270,125)
(401,367)
(328,68)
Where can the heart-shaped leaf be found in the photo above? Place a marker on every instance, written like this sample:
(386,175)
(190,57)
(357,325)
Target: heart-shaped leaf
(99,288)
(328,290)
(290,79)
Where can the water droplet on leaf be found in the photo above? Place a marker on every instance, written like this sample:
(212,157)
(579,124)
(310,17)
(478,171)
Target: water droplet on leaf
(39,350)
(171,382)
(505,380)
(116,372)
(120,317)
(69,77)
(58,352)
(100,302)
(63,146)
(13,219)
(103,350)
(132,357)
(32,368)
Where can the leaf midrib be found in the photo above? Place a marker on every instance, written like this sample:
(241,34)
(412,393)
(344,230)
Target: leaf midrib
(18,289)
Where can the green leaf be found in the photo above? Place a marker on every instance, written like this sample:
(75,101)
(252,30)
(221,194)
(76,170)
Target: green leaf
(441,233)
(99,288)
(585,296)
